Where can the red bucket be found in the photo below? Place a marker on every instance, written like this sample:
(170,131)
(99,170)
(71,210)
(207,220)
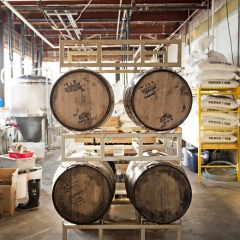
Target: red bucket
(27,154)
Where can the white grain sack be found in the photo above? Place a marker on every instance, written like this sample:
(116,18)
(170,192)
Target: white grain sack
(217,55)
(208,112)
(218,132)
(219,103)
(220,75)
(215,64)
(203,43)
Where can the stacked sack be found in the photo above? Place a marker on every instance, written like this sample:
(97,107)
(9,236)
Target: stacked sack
(212,70)
(218,125)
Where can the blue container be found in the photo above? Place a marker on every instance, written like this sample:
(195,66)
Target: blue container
(1,102)
(193,159)
(190,152)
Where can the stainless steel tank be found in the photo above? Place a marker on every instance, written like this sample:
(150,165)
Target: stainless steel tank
(29,104)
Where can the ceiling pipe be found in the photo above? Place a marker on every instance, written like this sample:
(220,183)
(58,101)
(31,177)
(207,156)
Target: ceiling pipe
(123,34)
(23,49)
(133,8)
(109,9)
(10,40)
(10,7)
(119,13)
(123,27)
(72,29)
(83,20)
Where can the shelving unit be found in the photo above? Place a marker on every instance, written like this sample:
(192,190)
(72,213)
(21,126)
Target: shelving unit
(102,141)
(221,146)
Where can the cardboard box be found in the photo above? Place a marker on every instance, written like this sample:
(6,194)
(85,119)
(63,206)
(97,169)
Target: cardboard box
(121,167)
(120,186)
(118,140)
(8,187)
(113,121)
(106,140)
(126,152)
(147,140)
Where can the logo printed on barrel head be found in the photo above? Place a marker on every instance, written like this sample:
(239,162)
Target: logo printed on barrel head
(149,89)
(85,118)
(73,87)
(76,199)
(70,186)
(165,119)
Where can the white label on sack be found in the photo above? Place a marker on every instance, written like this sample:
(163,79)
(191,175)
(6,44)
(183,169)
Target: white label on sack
(219,102)
(210,64)
(218,122)
(219,83)
(218,139)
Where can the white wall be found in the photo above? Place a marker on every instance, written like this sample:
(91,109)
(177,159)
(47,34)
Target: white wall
(222,39)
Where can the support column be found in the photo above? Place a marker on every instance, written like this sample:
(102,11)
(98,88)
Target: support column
(40,56)
(10,45)
(1,60)
(23,46)
(32,48)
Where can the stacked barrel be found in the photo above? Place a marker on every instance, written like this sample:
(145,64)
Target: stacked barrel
(157,100)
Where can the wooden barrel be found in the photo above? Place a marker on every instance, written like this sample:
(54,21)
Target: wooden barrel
(158,100)
(160,192)
(82,100)
(83,193)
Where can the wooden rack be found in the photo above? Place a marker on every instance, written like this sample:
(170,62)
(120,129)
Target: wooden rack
(91,53)
(134,139)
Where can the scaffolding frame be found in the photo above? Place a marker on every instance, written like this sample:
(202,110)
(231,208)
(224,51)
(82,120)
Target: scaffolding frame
(137,144)
(102,60)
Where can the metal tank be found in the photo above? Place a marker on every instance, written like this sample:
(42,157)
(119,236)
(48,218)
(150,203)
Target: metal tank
(29,105)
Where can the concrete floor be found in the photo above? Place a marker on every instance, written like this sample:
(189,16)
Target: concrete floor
(214,214)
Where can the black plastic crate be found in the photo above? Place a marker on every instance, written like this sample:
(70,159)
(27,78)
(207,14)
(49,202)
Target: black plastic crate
(218,155)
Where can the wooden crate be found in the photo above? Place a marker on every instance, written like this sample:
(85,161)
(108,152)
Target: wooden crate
(113,121)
